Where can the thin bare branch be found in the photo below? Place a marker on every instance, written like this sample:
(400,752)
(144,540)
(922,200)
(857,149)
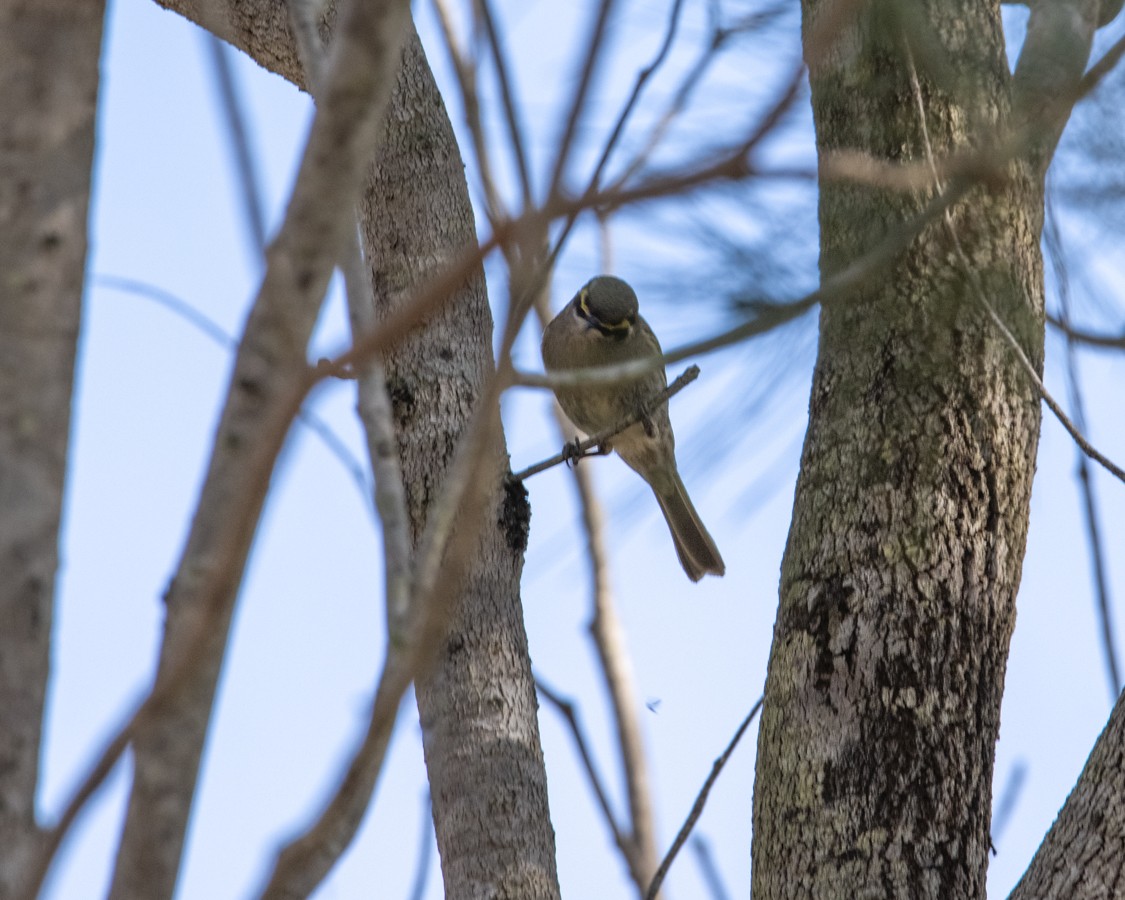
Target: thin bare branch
(638,845)
(306,860)
(769,316)
(567,711)
(466,80)
(530,284)
(1084,336)
(679,100)
(1007,800)
(595,43)
(608,635)
(733,164)
(1104,607)
(576,451)
(235,119)
(270,381)
(643,78)
(982,298)
(700,802)
(711,876)
(1052,404)
(425,851)
(508,99)
(203,323)
(247,499)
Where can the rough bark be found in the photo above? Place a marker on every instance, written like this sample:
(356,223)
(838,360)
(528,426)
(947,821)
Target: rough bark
(910,516)
(270,374)
(478,705)
(49,81)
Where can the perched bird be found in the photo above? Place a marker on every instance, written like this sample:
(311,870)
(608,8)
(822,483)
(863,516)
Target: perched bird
(602,326)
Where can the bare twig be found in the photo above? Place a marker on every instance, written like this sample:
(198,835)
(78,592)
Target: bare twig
(425,850)
(307,418)
(1089,449)
(613,656)
(268,386)
(982,298)
(711,877)
(643,78)
(594,44)
(700,802)
(1084,336)
(733,164)
(567,711)
(1008,798)
(639,849)
(576,451)
(533,283)
(466,80)
(835,288)
(302,864)
(508,98)
(679,100)
(1053,241)
(638,846)
(236,129)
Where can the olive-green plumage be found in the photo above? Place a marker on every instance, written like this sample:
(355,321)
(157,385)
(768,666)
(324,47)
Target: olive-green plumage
(602,326)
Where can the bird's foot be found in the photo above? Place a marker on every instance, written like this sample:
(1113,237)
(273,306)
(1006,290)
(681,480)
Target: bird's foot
(573,451)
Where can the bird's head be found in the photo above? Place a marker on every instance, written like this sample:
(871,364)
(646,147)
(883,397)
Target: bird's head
(607,305)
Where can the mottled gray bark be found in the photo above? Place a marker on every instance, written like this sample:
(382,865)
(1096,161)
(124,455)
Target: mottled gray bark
(478,705)
(899,579)
(269,379)
(49,83)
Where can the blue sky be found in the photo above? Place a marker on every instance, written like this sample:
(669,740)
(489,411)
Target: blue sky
(308,636)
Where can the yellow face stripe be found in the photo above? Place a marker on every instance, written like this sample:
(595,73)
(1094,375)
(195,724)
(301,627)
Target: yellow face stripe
(584,308)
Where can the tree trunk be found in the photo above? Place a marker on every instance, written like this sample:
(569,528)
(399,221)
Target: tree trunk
(478,706)
(898,584)
(49,81)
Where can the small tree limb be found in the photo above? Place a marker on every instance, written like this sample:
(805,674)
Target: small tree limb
(579,449)
(700,802)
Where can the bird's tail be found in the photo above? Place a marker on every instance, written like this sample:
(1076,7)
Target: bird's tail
(697,551)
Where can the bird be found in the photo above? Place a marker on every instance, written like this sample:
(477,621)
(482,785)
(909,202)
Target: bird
(601,326)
